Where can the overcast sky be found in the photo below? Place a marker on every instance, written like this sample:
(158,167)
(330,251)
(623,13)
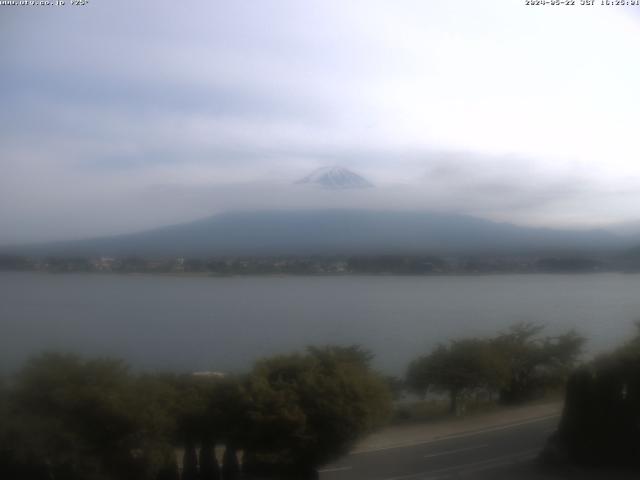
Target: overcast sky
(118,116)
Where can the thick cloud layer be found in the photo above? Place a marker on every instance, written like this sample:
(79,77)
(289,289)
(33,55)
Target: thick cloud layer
(119,116)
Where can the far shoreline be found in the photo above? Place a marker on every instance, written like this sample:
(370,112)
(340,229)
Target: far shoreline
(320,275)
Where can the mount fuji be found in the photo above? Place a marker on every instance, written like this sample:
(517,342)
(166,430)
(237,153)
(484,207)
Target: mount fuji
(335,178)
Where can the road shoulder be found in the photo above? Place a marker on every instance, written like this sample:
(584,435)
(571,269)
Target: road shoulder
(399,436)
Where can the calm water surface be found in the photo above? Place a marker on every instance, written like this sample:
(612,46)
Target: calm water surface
(191,323)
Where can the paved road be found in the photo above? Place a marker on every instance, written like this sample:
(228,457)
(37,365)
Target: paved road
(507,452)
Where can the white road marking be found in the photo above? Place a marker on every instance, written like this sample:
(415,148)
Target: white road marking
(451,452)
(335,469)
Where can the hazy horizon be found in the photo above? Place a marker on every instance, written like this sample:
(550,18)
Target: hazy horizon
(119,117)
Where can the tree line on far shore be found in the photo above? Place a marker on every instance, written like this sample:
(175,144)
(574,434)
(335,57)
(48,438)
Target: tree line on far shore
(382,264)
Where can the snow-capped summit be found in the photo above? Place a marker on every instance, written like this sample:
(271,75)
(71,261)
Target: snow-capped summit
(335,178)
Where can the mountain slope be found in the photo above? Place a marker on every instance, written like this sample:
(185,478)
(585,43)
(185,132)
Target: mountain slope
(322,232)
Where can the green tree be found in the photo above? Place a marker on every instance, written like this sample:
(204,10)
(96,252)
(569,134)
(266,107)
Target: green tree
(306,409)
(190,462)
(167,465)
(225,418)
(599,424)
(461,368)
(73,417)
(230,465)
(88,419)
(209,468)
(536,362)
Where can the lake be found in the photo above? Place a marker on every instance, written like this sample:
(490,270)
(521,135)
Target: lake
(224,324)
